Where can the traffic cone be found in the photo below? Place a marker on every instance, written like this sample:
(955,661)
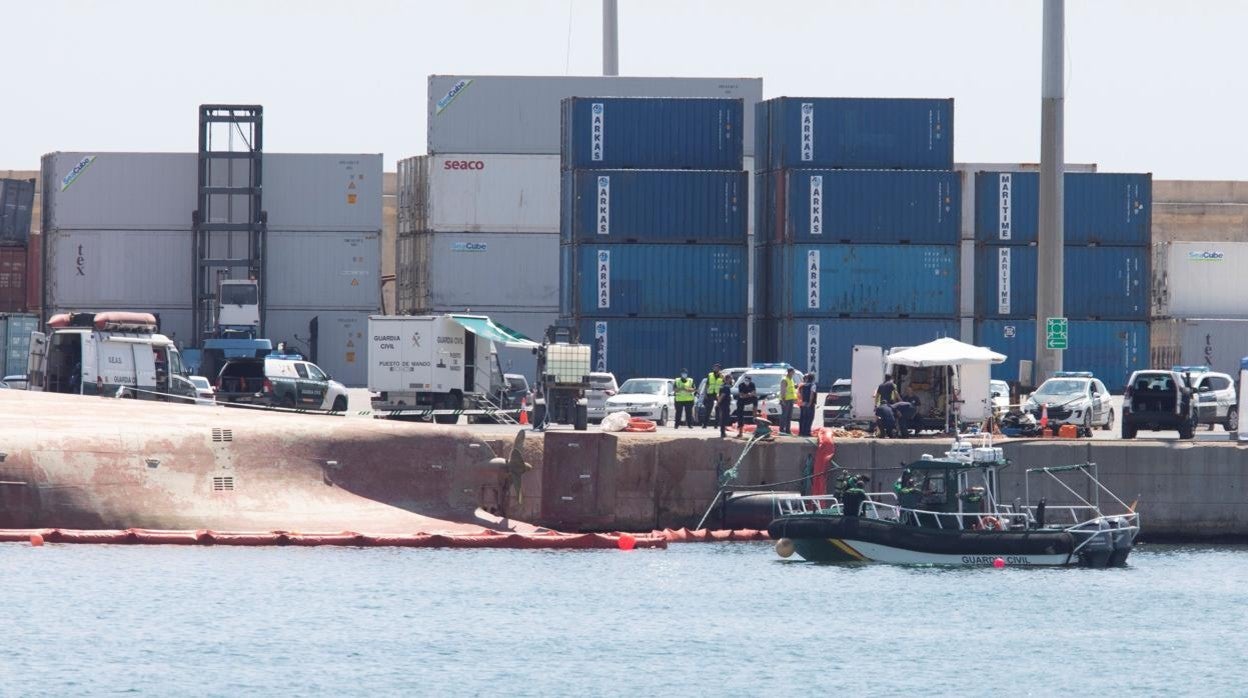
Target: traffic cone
(1044,416)
(524,415)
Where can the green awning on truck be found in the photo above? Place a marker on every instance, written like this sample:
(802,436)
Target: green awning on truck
(499,334)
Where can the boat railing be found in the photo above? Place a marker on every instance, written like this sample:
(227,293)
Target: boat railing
(815,504)
(1068,514)
(1002,518)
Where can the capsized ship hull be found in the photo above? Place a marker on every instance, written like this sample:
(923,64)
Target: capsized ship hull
(104,463)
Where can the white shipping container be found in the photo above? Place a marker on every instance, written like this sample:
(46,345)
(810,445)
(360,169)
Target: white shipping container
(338,343)
(126,191)
(482,193)
(158,191)
(467,271)
(520,114)
(118,269)
(323,191)
(322,271)
(1218,344)
(1200,279)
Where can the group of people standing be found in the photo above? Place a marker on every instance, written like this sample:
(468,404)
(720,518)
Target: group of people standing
(718,401)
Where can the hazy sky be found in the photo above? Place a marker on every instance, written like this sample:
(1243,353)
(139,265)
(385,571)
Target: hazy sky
(1152,85)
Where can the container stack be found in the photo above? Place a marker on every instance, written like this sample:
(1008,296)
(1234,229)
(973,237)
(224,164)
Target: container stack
(479,217)
(1107,270)
(654,232)
(857,221)
(1200,315)
(117,236)
(16,201)
(479,233)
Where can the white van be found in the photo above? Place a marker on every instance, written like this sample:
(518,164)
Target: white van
(100,353)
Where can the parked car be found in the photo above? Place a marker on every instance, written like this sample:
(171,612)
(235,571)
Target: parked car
(838,403)
(999,393)
(1158,399)
(652,398)
(601,387)
(516,390)
(1073,397)
(280,381)
(14,382)
(1217,399)
(204,392)
(767,387)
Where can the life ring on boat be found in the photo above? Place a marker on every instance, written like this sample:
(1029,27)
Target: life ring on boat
(990,523)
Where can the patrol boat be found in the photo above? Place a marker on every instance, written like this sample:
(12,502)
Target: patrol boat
(945,511)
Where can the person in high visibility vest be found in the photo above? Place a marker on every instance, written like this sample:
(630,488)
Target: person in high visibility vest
(684,398)
(788,396)
(714,380)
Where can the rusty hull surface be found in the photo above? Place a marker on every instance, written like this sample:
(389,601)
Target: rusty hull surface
(104,463)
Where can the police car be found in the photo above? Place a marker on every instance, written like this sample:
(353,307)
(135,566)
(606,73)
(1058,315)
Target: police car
(1073,397)
(1217,401)
(766,378)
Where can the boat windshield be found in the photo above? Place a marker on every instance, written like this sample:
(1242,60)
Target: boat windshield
(1065,387)
(644,386)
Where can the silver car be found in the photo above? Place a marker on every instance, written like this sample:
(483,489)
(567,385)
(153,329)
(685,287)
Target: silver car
(601,387)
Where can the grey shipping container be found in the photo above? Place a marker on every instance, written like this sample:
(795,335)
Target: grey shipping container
(520,114)
(335,341)
(140,270)
(317,270)
(15,332)
(1218,344)
(17,198)
(468,271)
(157,191)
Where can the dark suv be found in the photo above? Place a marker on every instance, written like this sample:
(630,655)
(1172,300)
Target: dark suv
(1158,400)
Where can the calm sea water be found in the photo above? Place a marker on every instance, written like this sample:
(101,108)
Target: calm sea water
(696,619)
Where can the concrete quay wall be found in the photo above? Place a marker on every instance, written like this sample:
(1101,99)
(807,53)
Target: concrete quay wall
(604,481)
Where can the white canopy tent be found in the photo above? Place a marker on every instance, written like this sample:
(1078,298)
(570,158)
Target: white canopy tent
(946,351)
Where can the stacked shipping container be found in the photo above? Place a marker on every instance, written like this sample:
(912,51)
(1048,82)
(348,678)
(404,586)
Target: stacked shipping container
(117,235)
(479,217)
(1199,314)
(654,255)
(857,218)
(16,201)
(1107,220)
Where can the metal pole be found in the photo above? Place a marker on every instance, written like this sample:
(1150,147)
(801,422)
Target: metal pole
(1052,236)
(610,38)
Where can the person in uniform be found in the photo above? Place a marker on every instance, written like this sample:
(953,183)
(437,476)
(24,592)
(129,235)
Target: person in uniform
(806,415)
(684,398)
(747,394)
(723,408)
(788,396)
(710,400)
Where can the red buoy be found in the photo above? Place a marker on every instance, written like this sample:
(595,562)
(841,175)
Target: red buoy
(627,541)
(998,563)
(36,540)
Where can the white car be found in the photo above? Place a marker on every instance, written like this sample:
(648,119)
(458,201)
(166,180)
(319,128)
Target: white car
(767,388)
(652,398)
(1073,397)
(14,382)
(1217,400)
(205,394)
(601,387)
(999,391)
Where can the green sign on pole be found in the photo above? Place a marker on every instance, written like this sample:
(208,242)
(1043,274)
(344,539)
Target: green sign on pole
(1055,336)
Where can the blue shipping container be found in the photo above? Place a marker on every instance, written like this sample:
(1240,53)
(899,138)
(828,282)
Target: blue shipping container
(1111,350)
(652,133)
(660,347)
(15,339)
(860,280)
(825,346)
(905,134)
(861,206)
(17,199)
(1099,208)
(654,206)
(625,280)
(1102,283)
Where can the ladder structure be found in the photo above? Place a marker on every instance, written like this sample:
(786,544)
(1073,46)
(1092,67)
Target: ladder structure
(229,222)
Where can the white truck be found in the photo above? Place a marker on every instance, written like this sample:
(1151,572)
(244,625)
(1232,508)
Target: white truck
(102,353)
(939,385)
(439,366)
